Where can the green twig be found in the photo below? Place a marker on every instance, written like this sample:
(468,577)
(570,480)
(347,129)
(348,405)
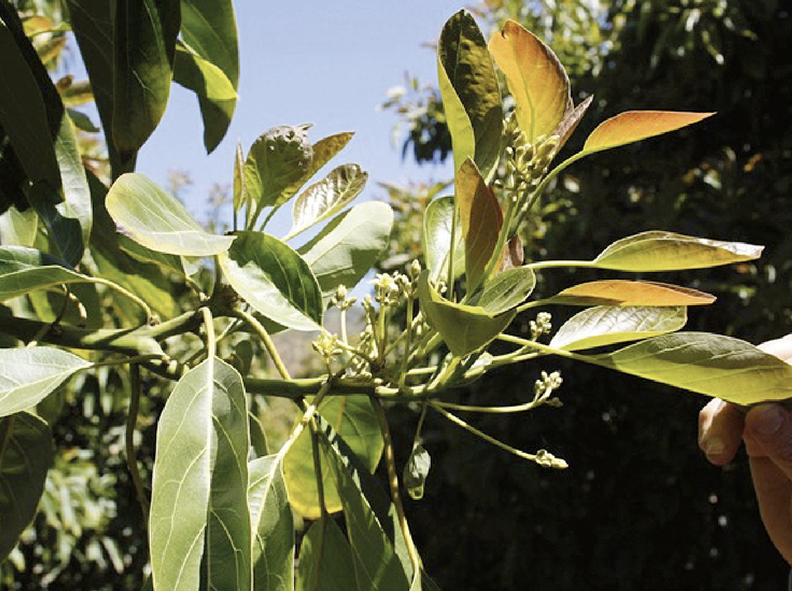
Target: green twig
(266,339)
(317,460)
(131,454)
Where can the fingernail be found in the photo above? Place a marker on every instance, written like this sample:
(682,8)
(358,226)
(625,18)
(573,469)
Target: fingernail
(769,421)
(714,446)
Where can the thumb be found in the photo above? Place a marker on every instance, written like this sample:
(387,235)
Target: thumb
(768,433)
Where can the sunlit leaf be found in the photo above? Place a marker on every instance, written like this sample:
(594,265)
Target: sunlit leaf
(157,220)
(606,325)
(28,375)
(327,197)
(666,251)
(274,279)
(710,364)
(240,198)
(536,79)
(18,228)
(481,218)
(619,292)
(507,290)
(273,525)
(436,239)
(26,456)
(349,246)
(201,76)
(144,43)
(200,483)
(470,92)
(633,126)
(325,559)
(321,153)
(354,419)
(463,328)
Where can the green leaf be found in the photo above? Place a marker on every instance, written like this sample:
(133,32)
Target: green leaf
(144,43)
(321,153)
(157,220)
(82,121)
(209,28)
(18,228)
(710,364)
(470,92)
(507,290)
(240,192)
(29,374)
(633,126)
(481,218)
(277,159)
(201,76)
(666,251)
(325,559)
(170,262)
(200,483)
(25,456)
(536,79)
(606,325)
(273,525)
(619,292)
(354,420)
(415,471)
(327,197)
(274,279)
(26,269)
(463,328)
(349,246)
(436,239)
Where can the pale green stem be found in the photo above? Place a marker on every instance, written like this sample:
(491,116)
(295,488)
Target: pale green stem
(408,341)
(491,409)
(308,415)
(143,305)
(131,454)
(211,341)
(317,460)
(266,339)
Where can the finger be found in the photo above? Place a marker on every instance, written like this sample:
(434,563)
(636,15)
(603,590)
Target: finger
(768,432)
(720,431)
(773,492)
(781,348)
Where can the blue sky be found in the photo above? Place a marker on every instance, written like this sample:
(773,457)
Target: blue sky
(327,62)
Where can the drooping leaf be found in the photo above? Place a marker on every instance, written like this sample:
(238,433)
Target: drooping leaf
(24,461)
(482,218)
(274,279)
(536,79)
(354,420)
(157,220)
(606,325)
(201,76)
(666,251)
(273,525)
(463,328)
(619,292)
(325,559)
(209,28)
(436,239)
(347,248)
(710,364)
(327,197)
(28,375)
(470,92)
(277,159)
(633,126)
(507,290)
(416,470)
(144,44)
(200,483)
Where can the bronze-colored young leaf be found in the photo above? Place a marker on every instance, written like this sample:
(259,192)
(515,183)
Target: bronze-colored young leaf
(633,126)
(667,251)
(536,79)
(481,218)
(620,292)
(571,120)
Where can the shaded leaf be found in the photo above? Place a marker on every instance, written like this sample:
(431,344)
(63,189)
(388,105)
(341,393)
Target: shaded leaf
(436,239)
(666,251)
(571,120)
(201,76)
(470,92)
(349,246)
(606,325)
(507,290)
(481,218)
(325,559)
(416,470)
(536,79)
(29,374)
(274,279)
(619,292)
(633,126)
(200,483)
(24,461)
(273,525)
(710,364)
(327,197)
(354,420)
(157,220)
(171,262)
(463,328)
